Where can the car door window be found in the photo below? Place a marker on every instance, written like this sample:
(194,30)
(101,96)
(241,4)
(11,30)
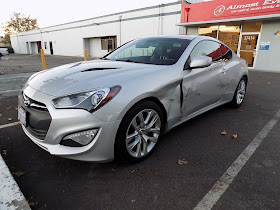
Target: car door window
(207,48)
(226,53)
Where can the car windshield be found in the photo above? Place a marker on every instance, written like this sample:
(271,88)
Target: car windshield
(158,51)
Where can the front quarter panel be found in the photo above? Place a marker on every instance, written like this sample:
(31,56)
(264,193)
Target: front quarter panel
(164,85)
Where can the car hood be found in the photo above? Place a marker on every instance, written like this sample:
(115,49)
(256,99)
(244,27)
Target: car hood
(76,77)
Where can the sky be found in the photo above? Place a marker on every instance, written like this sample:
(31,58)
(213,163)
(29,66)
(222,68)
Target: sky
(53,12)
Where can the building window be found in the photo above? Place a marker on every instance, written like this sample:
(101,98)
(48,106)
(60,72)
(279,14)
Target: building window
(228,34)
(252,27)
(108,43)
(208,31)
(45,44)
(104,43)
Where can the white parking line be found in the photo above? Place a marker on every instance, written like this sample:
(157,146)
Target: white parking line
(10,195)
(7,91)
(15,77)
(9,125)
(227,178)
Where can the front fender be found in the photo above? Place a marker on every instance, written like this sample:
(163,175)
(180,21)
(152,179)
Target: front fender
(166,88)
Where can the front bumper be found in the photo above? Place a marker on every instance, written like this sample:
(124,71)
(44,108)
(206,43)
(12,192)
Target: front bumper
(67,121)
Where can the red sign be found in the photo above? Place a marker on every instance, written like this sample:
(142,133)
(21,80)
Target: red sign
(230,9)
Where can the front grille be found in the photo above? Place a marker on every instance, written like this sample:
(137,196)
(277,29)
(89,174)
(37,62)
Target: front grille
(34,104)
(38,118)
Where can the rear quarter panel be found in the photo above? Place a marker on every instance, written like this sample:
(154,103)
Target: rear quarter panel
(237,68)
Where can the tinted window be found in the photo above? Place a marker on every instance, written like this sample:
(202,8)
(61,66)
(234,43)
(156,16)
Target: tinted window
(207,48)
(226,53)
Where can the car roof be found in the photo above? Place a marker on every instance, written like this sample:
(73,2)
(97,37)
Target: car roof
(189,37)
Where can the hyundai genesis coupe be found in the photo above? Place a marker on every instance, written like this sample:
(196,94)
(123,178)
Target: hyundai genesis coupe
(120,105)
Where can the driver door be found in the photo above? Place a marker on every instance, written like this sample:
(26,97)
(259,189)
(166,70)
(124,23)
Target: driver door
(203,87)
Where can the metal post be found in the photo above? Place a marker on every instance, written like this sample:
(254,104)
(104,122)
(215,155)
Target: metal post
(85,54)
(43,59)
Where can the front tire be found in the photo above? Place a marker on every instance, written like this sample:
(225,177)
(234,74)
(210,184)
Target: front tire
(239,94)
(139,132)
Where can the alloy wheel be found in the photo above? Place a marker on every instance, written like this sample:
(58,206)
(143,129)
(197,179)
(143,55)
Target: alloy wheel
(241,90)
(143,133)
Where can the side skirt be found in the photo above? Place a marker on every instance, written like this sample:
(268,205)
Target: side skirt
(205,109)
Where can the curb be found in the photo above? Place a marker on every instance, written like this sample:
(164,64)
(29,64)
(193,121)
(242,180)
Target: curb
(10,195)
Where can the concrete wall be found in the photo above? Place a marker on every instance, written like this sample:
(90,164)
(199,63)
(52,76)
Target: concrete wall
(269,59)
(95,48)
(72,38)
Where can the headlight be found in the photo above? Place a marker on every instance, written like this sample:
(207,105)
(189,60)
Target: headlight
(90,100)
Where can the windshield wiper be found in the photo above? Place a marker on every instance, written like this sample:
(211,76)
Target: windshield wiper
(128,60)
(104,58)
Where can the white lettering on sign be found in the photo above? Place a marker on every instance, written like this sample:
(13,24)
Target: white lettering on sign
(268,7)
(247,8)
(271,2)
(244,5)
(249,38)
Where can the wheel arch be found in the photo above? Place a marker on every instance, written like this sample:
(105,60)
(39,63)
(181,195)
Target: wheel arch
(246,77)
(162,108)
(151,99)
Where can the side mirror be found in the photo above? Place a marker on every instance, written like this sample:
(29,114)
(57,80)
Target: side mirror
(201,61)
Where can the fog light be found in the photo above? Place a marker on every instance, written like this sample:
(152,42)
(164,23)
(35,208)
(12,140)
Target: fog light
(82,138)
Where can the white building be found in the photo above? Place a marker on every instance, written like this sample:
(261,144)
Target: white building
(251,28)
(99,35)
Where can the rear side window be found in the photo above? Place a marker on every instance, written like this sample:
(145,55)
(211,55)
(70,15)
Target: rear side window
(207,48)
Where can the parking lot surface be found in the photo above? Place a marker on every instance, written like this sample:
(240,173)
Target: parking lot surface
(160,182)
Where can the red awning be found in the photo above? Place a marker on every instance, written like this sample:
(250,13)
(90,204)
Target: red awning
(229,11)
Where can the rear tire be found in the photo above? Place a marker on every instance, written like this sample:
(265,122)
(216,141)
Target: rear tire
(139,132)
(240,93)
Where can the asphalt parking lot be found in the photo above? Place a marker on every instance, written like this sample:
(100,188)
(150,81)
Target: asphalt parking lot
(160,182)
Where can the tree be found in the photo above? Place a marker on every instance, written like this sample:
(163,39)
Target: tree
(18,23)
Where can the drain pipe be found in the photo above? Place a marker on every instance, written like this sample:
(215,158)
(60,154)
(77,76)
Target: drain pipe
(120,19)
(18,44)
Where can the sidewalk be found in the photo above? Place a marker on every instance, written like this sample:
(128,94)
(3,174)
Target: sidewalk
(10,195)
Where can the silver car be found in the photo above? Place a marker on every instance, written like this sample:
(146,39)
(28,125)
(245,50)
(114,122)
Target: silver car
(121,104)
